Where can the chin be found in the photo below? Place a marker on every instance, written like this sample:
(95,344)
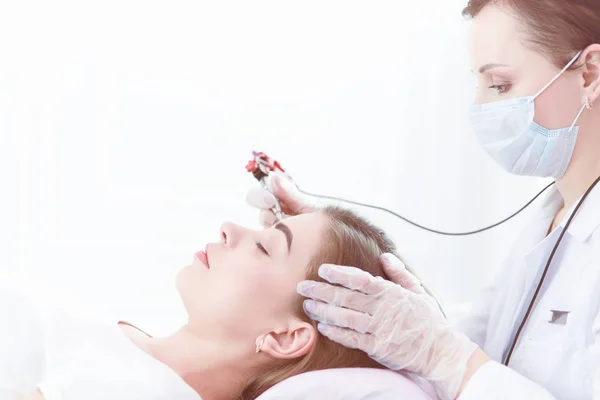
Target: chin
(183,289)
(189,282)
(183,280)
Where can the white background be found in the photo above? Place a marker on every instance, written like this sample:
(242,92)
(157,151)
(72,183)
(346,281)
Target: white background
(125,128)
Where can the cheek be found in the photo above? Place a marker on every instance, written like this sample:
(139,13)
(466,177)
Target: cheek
(257,293)
(558,106)
(239,301)
(252,304)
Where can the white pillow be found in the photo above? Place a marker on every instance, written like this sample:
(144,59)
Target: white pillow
(351,384)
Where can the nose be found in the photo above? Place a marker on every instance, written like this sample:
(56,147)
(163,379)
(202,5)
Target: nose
(231,234)
(480,97)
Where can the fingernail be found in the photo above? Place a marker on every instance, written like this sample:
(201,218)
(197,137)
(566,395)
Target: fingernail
(324,271)
(310,307)
(393,260)
(305,288)
(323,328)
(273,182)
(386,257)
(281,183)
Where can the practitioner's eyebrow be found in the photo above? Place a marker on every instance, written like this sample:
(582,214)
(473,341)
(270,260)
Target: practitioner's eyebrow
(487,67)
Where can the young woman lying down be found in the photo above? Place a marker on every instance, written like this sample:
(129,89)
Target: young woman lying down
(246,328)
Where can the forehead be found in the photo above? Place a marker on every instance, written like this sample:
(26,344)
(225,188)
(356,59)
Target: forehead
(496,37)
(308,230)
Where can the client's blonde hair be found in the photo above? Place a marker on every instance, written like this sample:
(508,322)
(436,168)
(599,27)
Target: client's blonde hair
(349,240)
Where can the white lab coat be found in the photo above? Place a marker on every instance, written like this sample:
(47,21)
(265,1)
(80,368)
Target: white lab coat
(551,360)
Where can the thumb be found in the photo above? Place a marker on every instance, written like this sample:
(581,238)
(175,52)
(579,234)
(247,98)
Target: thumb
(288,194)
(280,186)
(397,272)
(260,198)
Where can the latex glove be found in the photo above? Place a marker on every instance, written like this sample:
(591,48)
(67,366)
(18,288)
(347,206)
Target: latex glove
(401,327)
(291,200)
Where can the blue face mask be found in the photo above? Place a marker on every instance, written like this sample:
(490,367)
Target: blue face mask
(509,134)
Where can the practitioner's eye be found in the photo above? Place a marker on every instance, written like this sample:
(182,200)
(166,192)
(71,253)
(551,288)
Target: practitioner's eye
(500,89)
(261,248)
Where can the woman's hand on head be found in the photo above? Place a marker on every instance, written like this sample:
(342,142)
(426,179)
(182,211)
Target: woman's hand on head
(291,200)
(397,323)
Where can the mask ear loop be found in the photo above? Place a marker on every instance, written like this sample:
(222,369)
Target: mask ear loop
(562,71)
(585,105)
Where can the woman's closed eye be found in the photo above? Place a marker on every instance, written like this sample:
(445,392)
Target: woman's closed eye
(262,248)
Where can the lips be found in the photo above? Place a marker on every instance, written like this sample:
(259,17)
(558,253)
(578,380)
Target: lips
(203,257)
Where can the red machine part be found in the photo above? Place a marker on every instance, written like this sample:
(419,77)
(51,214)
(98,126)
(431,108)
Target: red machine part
(261,165)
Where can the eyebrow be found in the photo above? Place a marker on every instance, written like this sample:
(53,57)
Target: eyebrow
(486,67)
(287,232)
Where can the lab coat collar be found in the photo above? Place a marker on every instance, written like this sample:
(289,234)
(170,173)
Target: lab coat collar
(587,219)
(553,201)
(538,229)
(533,241)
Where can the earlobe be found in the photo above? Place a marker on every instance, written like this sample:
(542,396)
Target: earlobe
(293,341)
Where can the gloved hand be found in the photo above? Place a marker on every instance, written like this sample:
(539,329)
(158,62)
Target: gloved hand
(291,200)
(396,323)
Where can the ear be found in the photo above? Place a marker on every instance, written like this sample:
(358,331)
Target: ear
(591,75)
(292,341)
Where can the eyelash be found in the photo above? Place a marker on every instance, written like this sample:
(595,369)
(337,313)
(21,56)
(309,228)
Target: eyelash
(261,248)
(501,89)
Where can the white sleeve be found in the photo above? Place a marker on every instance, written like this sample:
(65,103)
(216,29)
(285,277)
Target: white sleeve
(475,325)
(495,381)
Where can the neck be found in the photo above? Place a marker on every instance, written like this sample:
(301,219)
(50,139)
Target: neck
(583,171)
(215,369)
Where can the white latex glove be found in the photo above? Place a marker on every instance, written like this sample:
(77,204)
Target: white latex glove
(291,200)
(401,327)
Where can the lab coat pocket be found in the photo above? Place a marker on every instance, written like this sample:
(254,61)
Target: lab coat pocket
(547,350)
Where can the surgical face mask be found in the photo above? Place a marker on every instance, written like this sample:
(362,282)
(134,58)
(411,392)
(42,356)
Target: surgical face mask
(509,134)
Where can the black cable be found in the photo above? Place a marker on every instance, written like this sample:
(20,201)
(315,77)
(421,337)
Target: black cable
(421,226)
(538,288)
